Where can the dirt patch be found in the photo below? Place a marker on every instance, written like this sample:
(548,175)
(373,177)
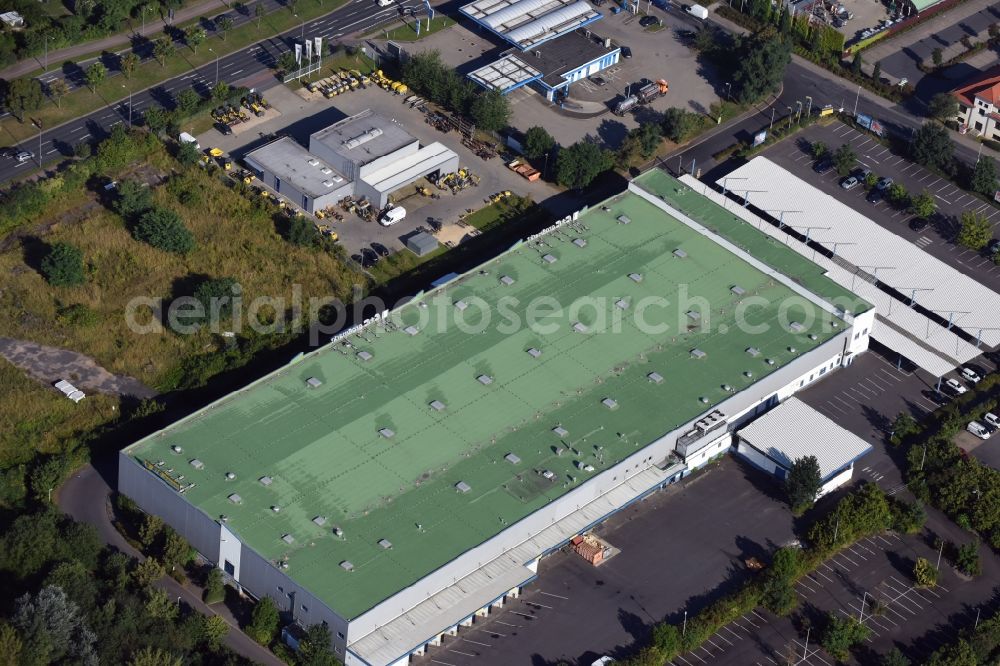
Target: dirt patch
(454,234)
(50,364)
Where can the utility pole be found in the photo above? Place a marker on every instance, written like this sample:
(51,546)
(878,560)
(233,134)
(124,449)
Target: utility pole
(940,552)
(771,126)
(856,100)
(836,530)
(685,626)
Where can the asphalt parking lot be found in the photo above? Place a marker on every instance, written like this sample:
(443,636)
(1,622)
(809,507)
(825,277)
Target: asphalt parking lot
(936,239)
(679,547)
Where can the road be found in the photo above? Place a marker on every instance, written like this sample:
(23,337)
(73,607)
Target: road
(54,144)
(86,498)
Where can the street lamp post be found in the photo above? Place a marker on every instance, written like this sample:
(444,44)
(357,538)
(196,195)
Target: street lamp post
(729,84)
(771,126)
(216,65)
(809,106)
(857,98)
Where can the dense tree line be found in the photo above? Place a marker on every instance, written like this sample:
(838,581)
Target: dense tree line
(441,84)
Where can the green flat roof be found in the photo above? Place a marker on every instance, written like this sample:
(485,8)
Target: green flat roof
(321,445)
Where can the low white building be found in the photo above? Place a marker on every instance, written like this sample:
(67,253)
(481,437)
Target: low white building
(794,430)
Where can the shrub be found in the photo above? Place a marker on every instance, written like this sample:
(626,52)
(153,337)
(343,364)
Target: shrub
(924,573)
(264,619)
(163,229)
(967,559)
(215,591)
(841,634)
(908,517)
(63,265)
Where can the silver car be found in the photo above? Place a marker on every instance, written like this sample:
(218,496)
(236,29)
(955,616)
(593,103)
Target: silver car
(850,183)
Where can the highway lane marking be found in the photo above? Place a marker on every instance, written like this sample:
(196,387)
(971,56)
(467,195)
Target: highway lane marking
(51,151)
(236,72)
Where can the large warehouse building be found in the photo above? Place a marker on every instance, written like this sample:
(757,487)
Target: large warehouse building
(408,476)
(365,155)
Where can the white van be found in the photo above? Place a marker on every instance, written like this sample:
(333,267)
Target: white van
(187,138)
(392,216)
(383,3)
(698,11)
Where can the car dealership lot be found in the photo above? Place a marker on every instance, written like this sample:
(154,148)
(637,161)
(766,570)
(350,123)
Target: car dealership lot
(937,238)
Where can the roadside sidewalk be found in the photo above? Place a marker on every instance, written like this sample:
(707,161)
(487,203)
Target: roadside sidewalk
(153,27)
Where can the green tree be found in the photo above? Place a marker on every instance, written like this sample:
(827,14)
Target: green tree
(967,559)
(578,165)
(176,551)
(133,199)
(819,150)
(10,644)
(841,634)
(314,648)
(898,196)
(923,205)
(894,658)
(650,135)
(679,124)
(194,37)
(160,606)
(127,63)
(156,118)
(924,573)
(908,517)
(152,656)
(984,177)
(95,74)
(221,91)
(213,630)
(877,71)
(264,621)
(216,296)
(803,483)
(942,106)
(857,63)
(63,265)
(52,628)
(163,229)
(933,147)
(224,23)
(23,96)
(187,153)
(147,572)
(187,102)
(959,653)
(844,159)
(47,473)
(286,62)
(215,590)
(975,231)
(537,142)
(490,111)
(760,65)
(150,530)
(163,48)
(77,581)
(58,88)
(937,57)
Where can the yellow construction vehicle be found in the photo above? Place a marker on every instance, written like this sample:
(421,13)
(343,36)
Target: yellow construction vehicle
(227,165)
(215,152)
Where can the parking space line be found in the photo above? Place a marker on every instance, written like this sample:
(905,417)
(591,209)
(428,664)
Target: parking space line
(557,596)
(685,660)
(802,583)
(697,657)
(844,555)
(722,638)
(490,631)
(762,618)
(508,624)
(849,615)
(445,663)
(476,642)
(530,617)
(535,603)
(467,654)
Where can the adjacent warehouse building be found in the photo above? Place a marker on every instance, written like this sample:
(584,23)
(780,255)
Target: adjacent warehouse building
(365,155)
(552,47)
(406,478)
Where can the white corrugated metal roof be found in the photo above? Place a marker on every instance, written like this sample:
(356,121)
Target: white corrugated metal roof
(926,343)
(793,430)
(553,23)
(505,74)
(407,169)
(902,264)
(467,595)
(528,22)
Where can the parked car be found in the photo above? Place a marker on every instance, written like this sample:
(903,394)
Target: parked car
(918,224)
(647,21)
(380,249)
(863,173)
(884,183)
(991,420)
(875,196)
(685,34)
(970,375)
(368,257)
(978,429)
(955,386)
(626,52)
(993,248)
(598,81)
(24,156)
(850,183)
(823,165)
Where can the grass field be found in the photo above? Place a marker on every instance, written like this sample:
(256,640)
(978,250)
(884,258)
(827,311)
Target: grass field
(498,212)
(235,238)
(84,100)
(408,31)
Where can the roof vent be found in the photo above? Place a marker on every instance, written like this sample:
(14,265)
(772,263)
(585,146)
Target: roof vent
(276,508)
(512,458)
(580,242)
(314,383)
(559,430)
(506,280)
(326,171)
(697,353)
(769,361)
(792,350)
(230,476)
(485,380)
(753,351)
(812,336)
(313,162)
(346,566)
(338,532)
(461,305)
(386,432)
(738,290)
(320,520)
(266,480)
(534,353)
(610,403)
(748,374)
(364,356)
(635,277)
(549,259)
(692,315)
(727,388)
(385,543)
(680,254)
(580,327)
(655,377)
(624,219)
(327,183)
(235,499)
(411,330)
(621,304)
(796,327)
(197,464)
(437,405)
(462,487)
(704,399)
(287,538)
(176,449)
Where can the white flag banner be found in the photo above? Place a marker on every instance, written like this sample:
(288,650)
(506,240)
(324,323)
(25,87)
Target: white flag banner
(298,54)
(309,50)
(318,46)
